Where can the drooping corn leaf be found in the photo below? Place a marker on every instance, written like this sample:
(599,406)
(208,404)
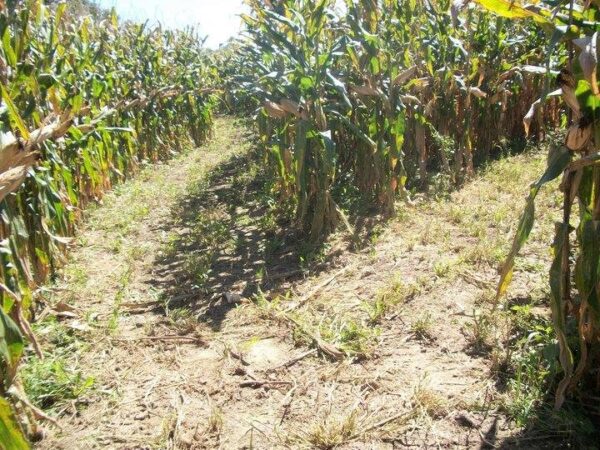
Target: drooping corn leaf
(557,163)
(512,9)
(587,268)
(11,342)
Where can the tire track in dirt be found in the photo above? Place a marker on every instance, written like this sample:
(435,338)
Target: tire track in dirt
(201,334)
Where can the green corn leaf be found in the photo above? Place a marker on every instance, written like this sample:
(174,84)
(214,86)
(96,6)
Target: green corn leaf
(558,162)
(330,153)
(11,435)
(511,9)
(557,289)
(356,130)
(14,113)
(11,56)
(60,11)
(283,20)
(114,18)
(300,154)
(590,104)
(11,342)
(587,266)
(340,88)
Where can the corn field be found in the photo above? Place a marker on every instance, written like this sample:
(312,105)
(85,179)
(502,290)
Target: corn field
(359,105)
(84,104)
(368,99)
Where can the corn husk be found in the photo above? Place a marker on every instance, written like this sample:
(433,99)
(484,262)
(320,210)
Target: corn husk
(274,110)
(403,77)
(578,136)
(365,90)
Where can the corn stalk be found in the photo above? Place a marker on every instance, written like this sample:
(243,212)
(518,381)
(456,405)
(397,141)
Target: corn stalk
(359,104)
(575,294)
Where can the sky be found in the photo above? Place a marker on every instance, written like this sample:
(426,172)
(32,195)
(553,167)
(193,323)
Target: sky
(217,19)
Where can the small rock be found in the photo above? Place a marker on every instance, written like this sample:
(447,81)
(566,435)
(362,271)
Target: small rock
(141,416)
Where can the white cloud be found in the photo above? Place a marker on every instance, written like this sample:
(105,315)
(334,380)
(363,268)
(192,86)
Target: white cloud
(219,20)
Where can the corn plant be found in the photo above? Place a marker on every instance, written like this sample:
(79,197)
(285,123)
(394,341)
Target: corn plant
(85,102)
(575,295)
(355,99)
(294,49)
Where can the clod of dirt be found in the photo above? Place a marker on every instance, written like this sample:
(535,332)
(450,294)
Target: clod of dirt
(267,353)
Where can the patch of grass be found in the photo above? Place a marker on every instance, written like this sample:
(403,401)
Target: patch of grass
(427,402)
(456,215)
(434,232)
(533,365)
(183,320)
(123,286)
(376,310)
(210,234)
(215,420)
(491,251)
(76,276)
(480,332)
(168,431)
(198,266)
(528,367)
(136,253)
(442,268)
(310,255)
(396,293)
(331,431)
(350,336)
(422,327)
(56,380)
(52,382)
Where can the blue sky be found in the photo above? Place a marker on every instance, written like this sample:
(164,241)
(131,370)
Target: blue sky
(217,19)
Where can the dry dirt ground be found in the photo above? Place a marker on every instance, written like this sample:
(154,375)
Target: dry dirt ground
(192,319)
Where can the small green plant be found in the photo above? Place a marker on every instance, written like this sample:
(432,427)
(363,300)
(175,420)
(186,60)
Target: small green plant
(183,319)
(376,310)
(198,266)
(422,327)
(428,403)
(349,336)
(331,431)
(54,381)
(479,332)
(398,292)
(442,268)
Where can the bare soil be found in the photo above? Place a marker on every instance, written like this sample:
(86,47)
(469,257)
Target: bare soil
(203,328)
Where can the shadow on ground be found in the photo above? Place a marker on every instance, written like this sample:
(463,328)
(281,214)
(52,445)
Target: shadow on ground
(570,427)
(225,244)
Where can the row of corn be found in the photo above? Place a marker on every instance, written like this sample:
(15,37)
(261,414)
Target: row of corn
(85,102)
(574,274)
(360,103)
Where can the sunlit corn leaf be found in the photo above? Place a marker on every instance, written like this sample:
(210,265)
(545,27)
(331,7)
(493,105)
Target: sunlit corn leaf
(557,163)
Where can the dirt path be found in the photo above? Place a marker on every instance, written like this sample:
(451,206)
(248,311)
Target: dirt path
(202,323)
